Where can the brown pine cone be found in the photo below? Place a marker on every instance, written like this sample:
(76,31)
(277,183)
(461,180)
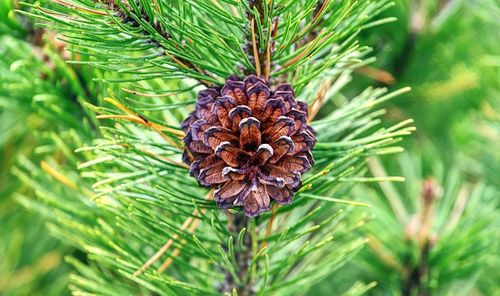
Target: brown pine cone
(249,142)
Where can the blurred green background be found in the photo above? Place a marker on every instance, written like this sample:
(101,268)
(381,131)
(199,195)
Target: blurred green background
(447,51)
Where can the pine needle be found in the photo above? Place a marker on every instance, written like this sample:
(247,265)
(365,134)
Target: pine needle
(57,175)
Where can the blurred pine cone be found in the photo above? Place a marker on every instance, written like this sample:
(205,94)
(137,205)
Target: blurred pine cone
(251,143)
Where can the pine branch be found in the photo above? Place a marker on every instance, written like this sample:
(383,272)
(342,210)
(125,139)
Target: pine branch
(142,207)
(128,15)
(280,50)
(36,91)
(142,36)
(405,257)
(141,172)
(139,218)
(144,234)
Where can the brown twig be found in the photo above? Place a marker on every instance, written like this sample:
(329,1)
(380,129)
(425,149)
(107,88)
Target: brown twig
(386,257)
(269,227)
(306,50)
(319,100)
(24,275)
(377,74)
(166,159)
(268,60)
(389,191)
(177,251)
(417,274)
(320,9)
(217,4)
(137,118)
(458,209)
(57,175)
(255,50)
(45,166)
(187,223)
(428,199)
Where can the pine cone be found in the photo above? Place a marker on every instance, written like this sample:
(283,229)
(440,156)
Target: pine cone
(251,143)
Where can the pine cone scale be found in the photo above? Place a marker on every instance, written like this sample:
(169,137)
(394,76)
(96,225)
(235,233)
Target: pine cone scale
(250,136)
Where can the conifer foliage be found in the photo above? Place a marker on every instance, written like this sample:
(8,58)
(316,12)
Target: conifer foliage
(148,228)
(145,225)
(236,147)
(427,234)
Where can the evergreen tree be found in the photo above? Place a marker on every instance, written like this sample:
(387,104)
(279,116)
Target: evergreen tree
(117,99)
